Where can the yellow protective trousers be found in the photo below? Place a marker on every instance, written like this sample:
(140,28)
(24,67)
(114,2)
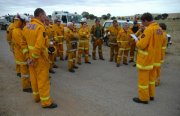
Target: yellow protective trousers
(122,53)
(25,79)
(39,75)
(132,50)
(71,59)
(18,70)
(60,50)
(158,73)
(21,67)
(51,59)
(83,48)
(97,42)
(113,52)
(146,84)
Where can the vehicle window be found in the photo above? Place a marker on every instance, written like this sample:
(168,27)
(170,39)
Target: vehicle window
(130,24)
(120,24)
(74,18)
(107,24)
(69,18)
(64,19)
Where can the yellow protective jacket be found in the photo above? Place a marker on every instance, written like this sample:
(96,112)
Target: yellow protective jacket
(84,33)
(10,29)
(149,47)
(124,39)
(50,31)
(35,37)
(17,37)
(113,34)
(9,33)
(164,45)
(71,38)
(59,33)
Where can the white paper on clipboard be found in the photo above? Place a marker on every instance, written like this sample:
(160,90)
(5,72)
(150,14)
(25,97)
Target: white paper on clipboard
(134,37)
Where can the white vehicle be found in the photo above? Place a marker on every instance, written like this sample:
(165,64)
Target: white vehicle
(108,23)
(121,23)
(66,17)
(5,21)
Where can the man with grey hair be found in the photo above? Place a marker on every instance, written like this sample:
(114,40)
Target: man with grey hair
(71,37)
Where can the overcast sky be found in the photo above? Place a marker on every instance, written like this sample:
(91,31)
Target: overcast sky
(96,7)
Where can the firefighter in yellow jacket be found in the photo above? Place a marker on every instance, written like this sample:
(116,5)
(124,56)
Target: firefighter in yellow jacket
(123,40)
(83,47)
(164,44)
(148,56)
(71,37)
(37,42)
(112,33)
(97,34)
(9,40)
(59,38)
(19,53)
(134,29)
(50,34)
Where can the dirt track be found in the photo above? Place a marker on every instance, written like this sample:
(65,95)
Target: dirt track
(99,89)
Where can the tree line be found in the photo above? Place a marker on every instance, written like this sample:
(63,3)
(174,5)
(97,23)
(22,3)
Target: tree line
(108,16)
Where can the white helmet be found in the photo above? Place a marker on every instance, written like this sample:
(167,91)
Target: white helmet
(83,20)
(22,17)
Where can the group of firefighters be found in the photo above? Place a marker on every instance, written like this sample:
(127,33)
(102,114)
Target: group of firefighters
(37,44)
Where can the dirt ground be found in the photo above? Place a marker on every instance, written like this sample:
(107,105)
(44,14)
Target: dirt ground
(99,89)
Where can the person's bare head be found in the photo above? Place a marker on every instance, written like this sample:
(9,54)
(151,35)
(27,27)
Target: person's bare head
(58,22)
(163,26)
(40,14)
(115,23)
(70,25)
(97,21)
(84,25)
(146,19)
(126,26)
(47,22)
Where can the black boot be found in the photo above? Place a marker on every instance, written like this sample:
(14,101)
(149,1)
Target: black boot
(53,105)
(94,58)
(71,70)
(51,71)
(19,74)
(117,65)
(75,67)
(137,100)
(101,58)
(55,66)
(131,61)
(134,65)
(88,62)
(152,98)
(28,90)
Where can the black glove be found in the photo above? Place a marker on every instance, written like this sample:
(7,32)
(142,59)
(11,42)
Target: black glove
(51,50)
